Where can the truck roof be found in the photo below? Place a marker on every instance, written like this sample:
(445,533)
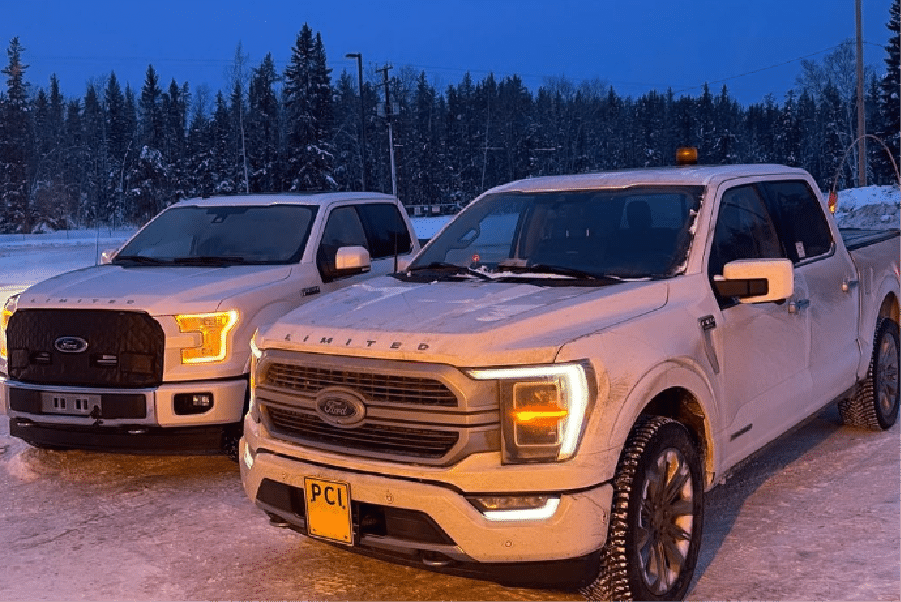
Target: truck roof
(284,198)
(686,175)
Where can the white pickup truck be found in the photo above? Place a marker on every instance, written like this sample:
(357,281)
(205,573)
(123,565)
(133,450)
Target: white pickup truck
(546,392)
(150,352)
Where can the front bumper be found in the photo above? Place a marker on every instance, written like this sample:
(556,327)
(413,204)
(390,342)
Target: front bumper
(432,524)
(139,420)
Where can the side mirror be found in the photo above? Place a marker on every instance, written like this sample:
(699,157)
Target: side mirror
(107,256)
(756,280)
(350,261)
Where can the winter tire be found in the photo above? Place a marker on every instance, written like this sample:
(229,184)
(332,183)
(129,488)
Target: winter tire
(874,403)
(656,516)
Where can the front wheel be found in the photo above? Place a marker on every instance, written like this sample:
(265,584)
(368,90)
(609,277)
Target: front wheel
(656,516)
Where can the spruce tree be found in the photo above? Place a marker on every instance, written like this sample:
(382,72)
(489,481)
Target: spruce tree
(262,128)
(15,145)
(151,111)
(889,104)
(308,106)
(99,195)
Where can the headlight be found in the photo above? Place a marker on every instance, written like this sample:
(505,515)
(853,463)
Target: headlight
(9,308)
(255,355)
(543,410)
(213,329)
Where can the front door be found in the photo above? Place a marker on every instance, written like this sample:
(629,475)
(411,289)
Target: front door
(763,348)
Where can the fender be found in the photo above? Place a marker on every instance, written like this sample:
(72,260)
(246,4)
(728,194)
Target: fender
(680,373)
(887,289)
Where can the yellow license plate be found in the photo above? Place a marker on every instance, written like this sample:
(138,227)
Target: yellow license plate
(328,510)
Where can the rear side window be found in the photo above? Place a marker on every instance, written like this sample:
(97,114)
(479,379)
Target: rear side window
(799,218)
(385,230)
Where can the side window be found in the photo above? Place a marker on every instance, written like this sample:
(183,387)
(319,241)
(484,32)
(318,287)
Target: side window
(385,230)
(343,229)
(799,216)
(744,230)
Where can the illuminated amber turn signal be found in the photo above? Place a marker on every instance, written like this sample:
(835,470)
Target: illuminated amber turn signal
(213,329)
(540,414)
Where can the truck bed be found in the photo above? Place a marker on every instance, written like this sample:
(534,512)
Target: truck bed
(856,238)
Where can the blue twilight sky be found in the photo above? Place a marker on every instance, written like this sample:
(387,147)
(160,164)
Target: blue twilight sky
(753,47)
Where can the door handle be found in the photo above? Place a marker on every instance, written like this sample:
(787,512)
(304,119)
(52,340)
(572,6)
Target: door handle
(796,306)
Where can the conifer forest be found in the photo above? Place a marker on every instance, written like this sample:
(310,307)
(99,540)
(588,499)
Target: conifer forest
(118,155)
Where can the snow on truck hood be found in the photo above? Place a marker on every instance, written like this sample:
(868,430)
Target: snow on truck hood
(156,290)
(460,323)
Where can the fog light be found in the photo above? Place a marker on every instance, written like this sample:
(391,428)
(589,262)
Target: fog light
(193,403)
(516,507)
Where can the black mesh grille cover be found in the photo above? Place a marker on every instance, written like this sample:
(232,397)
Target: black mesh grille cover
(124,349)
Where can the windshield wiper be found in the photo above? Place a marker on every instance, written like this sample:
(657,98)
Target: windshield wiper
(449,268)
(141,259)
(544,268)
(208,260)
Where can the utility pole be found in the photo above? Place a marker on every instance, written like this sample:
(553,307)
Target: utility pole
(390,130)
(359,57)
(861,123)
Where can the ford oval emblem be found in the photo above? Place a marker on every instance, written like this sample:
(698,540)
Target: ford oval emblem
(340,407)
(70,345)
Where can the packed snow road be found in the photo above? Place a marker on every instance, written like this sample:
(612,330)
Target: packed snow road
(814,516)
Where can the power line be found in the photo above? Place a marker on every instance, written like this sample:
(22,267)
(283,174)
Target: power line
(782,64)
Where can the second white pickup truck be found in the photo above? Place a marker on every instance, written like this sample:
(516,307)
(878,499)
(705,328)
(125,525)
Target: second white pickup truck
(150,352)
(545,394)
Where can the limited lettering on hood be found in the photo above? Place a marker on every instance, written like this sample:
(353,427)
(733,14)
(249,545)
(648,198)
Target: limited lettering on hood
(363,342)
(79,301)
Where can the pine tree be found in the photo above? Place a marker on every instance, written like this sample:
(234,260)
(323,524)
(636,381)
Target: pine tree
(14,145)
(787,138)
(151,111)
(308,106)
(98,194)
(149,175)
(348,172)
(262,128)
(835,139)
(889,103)
(221,166)
(199,153)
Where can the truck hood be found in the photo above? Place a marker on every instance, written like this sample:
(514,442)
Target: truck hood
(461,323)
(156,290)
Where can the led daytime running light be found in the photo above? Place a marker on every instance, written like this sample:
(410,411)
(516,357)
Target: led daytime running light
(543,513)
(9,308)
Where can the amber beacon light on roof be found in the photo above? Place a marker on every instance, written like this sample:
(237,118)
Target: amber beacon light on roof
(687,155)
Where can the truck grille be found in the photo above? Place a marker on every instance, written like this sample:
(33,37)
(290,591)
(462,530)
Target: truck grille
(377,438)
(428,414)
(107,348)
(377,387)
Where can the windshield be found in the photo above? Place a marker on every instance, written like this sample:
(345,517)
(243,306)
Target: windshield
(641,232)
(190,235)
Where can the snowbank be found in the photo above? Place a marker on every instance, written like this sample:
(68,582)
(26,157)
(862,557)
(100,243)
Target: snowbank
(871,207)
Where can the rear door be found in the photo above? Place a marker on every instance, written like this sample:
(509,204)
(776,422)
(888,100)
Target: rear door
(831,278)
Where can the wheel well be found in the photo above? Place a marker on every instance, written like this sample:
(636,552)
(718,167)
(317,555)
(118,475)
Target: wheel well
(889,308)
(681,405)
